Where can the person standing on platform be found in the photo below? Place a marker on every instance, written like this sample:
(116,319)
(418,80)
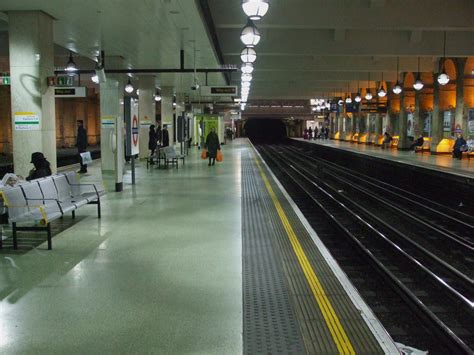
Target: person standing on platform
(212,146)
(152,140)
(81,144)
(316,132)
(418,143)
(310,133)
(165,137)
(459,146)
(42,167)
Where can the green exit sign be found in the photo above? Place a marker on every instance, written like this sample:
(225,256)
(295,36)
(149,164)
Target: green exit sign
(5,78)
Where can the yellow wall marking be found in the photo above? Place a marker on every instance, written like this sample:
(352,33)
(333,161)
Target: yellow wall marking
(338,334)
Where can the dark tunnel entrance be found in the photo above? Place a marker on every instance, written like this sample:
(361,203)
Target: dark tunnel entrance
(265,130)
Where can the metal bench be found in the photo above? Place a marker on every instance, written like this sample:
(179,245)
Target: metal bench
(170,156)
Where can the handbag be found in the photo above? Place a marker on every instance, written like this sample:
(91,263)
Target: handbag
(86,158)
(219,156)
(204,154)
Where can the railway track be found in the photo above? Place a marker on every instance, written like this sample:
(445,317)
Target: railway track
(434,292)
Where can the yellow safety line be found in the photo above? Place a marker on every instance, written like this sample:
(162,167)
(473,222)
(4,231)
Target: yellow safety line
(338,334)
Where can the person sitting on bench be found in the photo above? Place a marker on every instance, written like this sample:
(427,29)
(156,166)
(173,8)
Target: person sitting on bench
(417,143)
(42,167)
(459,146)
(387,138)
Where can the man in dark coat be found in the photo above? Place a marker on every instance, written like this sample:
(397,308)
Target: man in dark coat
(152,140)
(212,146)
(165,137)
(42,167)
(459,146)
(81,144)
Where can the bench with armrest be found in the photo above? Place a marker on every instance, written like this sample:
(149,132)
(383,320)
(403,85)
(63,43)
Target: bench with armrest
(44,200)
(170,156)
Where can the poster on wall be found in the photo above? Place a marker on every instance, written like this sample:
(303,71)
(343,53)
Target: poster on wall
(27,121)
(427,125)
(447,118)
(410,125)
(470,122)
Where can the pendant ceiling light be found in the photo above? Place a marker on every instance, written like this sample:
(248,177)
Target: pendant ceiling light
(129,87)
(157,97)
(255,9)
(381,92)
(340,102)
(418,84)
(397,89)
(348,98)
(368,94)
(248,55)
(443,77)
(95,78)
(71,66)
(358,98)
(246,77)
(247,68)
(250,36)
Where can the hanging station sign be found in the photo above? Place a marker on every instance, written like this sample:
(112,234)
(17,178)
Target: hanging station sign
(219,90)
(70,91)
(61,81)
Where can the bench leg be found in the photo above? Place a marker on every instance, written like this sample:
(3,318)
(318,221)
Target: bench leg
(15,242)
(48,229)
(99,214)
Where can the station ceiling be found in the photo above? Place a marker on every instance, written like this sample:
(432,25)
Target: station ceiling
(314,47)
(144,33)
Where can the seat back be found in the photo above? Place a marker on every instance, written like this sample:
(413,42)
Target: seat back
(32,191)
(170,153)
(16,203)
(48,189)
(63,187)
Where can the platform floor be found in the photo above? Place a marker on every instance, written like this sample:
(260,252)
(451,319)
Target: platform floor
(444,163)
(161,272)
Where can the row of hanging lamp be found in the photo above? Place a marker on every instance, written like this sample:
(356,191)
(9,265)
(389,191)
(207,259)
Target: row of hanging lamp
(255,9)
(368,94)
(418,84)
(443,77)
(397,89)
(381,92)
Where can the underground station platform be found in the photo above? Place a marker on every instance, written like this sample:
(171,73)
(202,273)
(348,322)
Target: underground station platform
(232,259)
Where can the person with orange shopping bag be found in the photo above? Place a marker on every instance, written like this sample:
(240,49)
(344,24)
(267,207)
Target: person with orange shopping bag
(212,146)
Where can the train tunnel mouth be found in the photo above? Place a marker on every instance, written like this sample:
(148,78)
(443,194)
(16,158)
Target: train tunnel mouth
(263,130)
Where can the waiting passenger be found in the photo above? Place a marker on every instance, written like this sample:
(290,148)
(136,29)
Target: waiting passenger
(81,144)
(326,133)
(212,146)
(316,132)
(152,140)
(165,137)
(418,143)
(310,133)
(42,167)
(387,139)
(459,146)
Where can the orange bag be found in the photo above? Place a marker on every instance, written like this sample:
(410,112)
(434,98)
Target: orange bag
(219,155)
(204,154)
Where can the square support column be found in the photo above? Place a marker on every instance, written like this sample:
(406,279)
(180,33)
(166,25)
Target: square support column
(167,111)
(33,104)
(146,111)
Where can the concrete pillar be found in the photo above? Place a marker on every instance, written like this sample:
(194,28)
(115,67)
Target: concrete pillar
(146,111)
(378,127)
(341,119)
(403,119)
(436,119)
(459,117)
(32,101)
(167,93)
(417,121)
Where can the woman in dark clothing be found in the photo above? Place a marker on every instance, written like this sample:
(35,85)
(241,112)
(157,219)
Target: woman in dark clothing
(152,139)
(212,146)
(460,143)
(42,167)
(165,137)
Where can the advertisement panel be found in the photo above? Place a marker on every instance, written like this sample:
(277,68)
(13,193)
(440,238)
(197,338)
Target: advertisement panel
(131,122)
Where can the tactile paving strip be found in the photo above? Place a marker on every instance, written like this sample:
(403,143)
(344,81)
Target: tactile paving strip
(270,325)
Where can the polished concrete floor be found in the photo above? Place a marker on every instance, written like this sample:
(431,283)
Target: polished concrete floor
(442,162)
(160,273)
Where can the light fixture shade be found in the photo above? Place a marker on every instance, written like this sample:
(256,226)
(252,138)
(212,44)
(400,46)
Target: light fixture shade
(348,100)
(382,92)
(397,89)
(247,68)
(95,78)
(255,9)
(443,78)
(246,77)
(358,98)
(129,87)
(418,84)
(157,97)
(368,95)
(138,92)
(250,36)
(248,55)
(71,66)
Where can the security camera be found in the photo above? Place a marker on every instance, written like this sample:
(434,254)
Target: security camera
(195,86)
